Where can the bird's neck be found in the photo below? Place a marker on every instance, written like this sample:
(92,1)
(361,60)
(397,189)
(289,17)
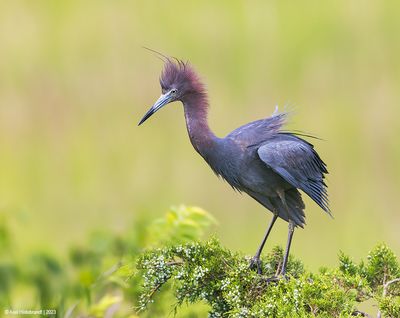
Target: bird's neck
(200,134)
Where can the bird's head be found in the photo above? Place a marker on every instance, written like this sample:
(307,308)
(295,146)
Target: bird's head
(179,82)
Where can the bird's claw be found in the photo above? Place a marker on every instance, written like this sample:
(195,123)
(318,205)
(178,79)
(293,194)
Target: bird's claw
(276,278)
(255,263)
(273,279)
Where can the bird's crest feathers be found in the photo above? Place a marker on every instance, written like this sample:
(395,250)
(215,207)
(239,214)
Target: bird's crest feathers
(177,73)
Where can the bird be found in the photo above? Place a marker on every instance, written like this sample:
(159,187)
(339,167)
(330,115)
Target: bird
(260,158)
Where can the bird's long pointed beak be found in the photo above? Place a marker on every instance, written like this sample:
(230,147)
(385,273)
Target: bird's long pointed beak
(162,101)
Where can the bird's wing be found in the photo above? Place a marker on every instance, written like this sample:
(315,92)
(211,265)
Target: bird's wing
(299,164)
(259,131)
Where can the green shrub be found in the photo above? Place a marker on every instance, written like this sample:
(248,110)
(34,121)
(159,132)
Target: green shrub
(207,272)
(162,266)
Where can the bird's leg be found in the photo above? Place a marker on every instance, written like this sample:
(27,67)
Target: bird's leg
(255,260)
(286,256)
(281,194)
(289,241)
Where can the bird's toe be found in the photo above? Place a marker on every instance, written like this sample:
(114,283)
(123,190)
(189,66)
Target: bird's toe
(273,279)
(255,263)
(276,278)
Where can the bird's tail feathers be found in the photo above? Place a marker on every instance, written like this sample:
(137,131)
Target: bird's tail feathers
(294,208)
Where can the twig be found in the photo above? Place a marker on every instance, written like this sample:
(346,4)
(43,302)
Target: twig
(154,290)
(226,263)
(174,263)
(386,286)
(278,268)
(385,289)
(160,284)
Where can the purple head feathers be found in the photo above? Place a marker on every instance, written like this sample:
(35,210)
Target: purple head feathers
(179,82)
(181,76)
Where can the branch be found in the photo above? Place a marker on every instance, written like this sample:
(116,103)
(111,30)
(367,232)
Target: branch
(386,286)
(385,289)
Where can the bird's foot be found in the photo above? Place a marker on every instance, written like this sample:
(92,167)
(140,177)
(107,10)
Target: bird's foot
(255,263)
(273,279)
(276,278)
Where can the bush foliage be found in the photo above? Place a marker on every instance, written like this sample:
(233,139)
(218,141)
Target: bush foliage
(163,267)
(95,278)
(207,272)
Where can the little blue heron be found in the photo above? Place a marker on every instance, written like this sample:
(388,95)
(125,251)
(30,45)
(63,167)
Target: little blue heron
(260,159)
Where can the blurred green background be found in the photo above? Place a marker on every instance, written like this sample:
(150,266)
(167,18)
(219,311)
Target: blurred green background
(74,82)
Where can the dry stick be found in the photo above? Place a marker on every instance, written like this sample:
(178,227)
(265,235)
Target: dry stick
(385,289)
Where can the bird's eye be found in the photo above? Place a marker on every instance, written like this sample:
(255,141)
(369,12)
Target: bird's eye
(174,91)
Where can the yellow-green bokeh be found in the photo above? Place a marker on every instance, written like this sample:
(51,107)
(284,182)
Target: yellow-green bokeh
(74,81)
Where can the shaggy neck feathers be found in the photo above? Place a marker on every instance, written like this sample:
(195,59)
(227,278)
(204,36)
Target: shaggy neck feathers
(196,109)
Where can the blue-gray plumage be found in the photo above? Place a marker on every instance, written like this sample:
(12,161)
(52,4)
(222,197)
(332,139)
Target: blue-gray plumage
(264,161)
